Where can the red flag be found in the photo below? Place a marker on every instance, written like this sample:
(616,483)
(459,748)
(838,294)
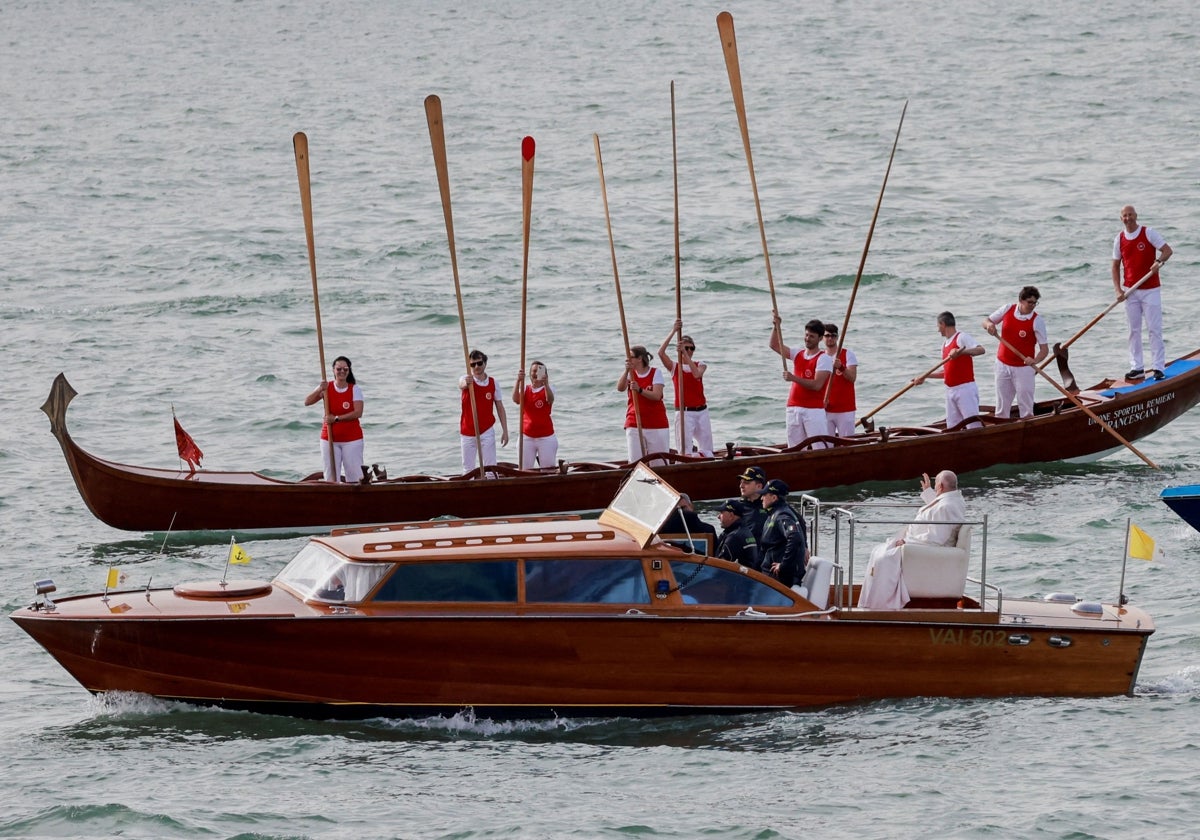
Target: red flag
(188,450)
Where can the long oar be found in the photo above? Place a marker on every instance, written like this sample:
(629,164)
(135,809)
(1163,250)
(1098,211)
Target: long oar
(1073,398)
(866,247)
(612,248)
(681,420)
(300,144)
(437,137)
(729,45)
(527,150)
(1060,354)
(863,421)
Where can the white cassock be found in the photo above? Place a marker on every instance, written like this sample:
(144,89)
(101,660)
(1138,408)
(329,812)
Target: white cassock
(936,523)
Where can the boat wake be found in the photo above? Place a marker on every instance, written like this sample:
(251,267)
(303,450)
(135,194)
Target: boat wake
(1182,683)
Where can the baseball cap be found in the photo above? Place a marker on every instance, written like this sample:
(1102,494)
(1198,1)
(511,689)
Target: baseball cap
(754,474)
(736,506)
(777,487)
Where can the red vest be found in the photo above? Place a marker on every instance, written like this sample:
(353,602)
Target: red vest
(841,392)
(1137,256)
(806,368)
(693,388)
(537,422)
(342,402)
(960,369)
(1019,334)
(484,395)
(654,413)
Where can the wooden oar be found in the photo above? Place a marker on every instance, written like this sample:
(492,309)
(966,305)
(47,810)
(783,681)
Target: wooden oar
(1060,354)
(729,45)
(1073,398)
(437,137)
(612,249)
(300,145)
(527,149)
(681,420)
(866,247)
(863,421)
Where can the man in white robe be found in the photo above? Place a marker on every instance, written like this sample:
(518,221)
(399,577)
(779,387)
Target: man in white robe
(936,523)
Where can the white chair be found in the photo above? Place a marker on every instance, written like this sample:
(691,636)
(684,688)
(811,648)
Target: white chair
(934,571)
(815,585)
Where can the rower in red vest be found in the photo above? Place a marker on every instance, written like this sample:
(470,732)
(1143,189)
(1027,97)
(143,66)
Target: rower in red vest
(811,368)
(688,379)
(839,411)
(1025,330)
(345,406)
(1133,258)
(538,441)
(488,404)
(645,385)
(958,371)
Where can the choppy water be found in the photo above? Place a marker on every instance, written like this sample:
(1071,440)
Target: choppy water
(152,247)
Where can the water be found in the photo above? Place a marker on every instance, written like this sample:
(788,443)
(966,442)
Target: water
(153,249)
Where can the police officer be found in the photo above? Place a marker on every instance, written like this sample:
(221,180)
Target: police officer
(784,544)
(737,543)
(750,486)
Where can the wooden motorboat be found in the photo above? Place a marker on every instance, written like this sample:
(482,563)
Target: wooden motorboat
(152,499)
(1185,501)
(534,617)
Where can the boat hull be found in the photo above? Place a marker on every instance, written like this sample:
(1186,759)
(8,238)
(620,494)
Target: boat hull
(1185,501)
(148,499)
(352,666)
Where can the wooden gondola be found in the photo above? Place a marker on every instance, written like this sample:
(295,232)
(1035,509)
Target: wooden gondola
(153,499)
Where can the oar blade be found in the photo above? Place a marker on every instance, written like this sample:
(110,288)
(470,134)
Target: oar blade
(1061,354)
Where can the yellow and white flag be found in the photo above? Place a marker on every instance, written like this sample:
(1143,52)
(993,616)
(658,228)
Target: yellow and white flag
(1142,546)
(114,578)
(237,556)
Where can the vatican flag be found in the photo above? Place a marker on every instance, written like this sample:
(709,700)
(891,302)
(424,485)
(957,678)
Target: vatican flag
(1142,546)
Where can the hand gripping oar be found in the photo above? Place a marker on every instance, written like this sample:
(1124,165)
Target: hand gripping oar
(1073,398)
(300,145)
(1060,350)
(863,421)
(437,138)
(733,67)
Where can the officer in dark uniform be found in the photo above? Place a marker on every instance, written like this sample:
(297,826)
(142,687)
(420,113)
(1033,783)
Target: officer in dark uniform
(737,543)
(750,485)
(784,543)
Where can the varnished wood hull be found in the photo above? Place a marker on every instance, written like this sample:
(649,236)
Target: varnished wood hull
(523,666)
(149,499)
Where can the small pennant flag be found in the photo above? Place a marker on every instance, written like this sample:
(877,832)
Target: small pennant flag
(188,450)
(1141,545)
(238,556)
(114,578)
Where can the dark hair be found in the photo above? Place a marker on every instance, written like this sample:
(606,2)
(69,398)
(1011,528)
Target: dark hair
(641,352)
(831,329)
(1030,293)
(815,326)
(946,318)
(479,354)
(349,373)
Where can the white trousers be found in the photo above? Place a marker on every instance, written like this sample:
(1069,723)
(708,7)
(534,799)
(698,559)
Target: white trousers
(347,459)
(657,440)
(962,401)
(841,423)
(883,585)
(1145,305)
(1018,381)
(697,431)
(467,443)
(803,423)
(540,451)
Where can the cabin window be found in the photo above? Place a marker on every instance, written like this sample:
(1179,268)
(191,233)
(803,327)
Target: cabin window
(586,582)
(318,573)
(492,581)
(702,584)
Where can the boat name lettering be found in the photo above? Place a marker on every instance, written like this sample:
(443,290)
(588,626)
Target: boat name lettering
(976,638)
(1133,413)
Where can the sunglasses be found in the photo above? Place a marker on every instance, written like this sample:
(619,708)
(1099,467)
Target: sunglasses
(478,364)
(689,349)
(341,370)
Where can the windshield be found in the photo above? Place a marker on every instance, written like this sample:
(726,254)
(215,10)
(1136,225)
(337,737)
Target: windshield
(318,573)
